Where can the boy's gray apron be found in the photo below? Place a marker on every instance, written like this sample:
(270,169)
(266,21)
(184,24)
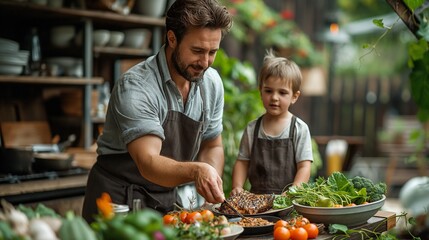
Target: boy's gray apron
(272,162)
(117,174)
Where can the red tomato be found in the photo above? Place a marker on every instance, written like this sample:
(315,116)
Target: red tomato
(301,221)
(299,233)
(281,233)
(194,217)
(207,215)
(281,223)
(183,215)
(312,230)
(169,219)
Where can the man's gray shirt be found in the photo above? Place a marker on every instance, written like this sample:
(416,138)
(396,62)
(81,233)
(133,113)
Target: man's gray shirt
(138,105)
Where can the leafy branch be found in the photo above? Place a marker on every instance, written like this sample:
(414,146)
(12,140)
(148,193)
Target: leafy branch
(343,232)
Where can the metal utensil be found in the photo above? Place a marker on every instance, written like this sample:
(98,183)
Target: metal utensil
(233,209)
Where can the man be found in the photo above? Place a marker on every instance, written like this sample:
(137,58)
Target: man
(164,119)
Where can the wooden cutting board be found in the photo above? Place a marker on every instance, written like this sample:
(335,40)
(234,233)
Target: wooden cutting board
(24,133)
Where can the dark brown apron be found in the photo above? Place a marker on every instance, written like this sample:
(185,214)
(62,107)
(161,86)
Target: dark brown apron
(272,162)
(117,174)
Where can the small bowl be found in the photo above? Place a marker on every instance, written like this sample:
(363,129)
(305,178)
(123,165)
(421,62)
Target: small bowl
(61,36)
(137,38)
(236,230)
(101,37)
(350,216)
(116,39)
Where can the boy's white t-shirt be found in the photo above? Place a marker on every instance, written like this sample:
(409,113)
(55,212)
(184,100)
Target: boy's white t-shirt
(302,140)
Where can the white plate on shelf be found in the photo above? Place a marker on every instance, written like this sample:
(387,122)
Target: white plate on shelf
(8,69)
(8,45)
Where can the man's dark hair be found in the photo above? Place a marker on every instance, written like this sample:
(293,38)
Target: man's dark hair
(186,14)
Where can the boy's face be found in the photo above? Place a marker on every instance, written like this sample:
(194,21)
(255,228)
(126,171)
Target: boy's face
(277,96)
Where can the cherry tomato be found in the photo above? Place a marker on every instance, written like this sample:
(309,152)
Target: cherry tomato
(312,230)
(169,219)
(301,221)
(281,223)
(183,215)
(299,233)
(281,233)
(194,217)
(207,215)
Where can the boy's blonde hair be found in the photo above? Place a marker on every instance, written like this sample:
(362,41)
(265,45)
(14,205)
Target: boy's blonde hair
(281,67)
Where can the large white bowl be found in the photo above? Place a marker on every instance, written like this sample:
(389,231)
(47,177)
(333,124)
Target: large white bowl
(349,216)
(61,36)
(101,37)
(153,8)
(116,38)
(137,38)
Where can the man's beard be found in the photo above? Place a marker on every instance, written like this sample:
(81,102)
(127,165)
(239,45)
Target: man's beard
(181,68)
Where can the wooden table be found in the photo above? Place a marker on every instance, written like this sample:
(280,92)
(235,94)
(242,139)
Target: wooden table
(380,222)
(61,194)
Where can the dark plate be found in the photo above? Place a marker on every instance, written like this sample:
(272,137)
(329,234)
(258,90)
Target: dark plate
(258,230)
(272,212)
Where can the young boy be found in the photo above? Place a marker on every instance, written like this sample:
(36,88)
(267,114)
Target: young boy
(275,149)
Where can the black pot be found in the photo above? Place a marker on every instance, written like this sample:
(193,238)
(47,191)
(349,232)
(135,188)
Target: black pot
(52,161)
(16,160)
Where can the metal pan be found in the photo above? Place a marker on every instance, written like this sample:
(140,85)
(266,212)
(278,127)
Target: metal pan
(260,230)
(53,161)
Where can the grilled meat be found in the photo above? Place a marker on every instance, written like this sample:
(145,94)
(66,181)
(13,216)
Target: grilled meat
(248,203)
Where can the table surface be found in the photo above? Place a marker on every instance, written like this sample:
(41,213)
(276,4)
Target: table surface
(380,222)
(43,185)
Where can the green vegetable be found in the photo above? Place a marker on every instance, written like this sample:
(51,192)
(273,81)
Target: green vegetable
(141,225)
(281,201)
(374,192)
(6,232)
(40,211)
(324,202)
(339,189)
(75,227)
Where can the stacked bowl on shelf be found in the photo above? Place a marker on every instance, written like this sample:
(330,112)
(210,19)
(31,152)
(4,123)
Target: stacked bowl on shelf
(12,59)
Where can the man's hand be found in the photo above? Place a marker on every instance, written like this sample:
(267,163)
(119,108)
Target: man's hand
(209,184)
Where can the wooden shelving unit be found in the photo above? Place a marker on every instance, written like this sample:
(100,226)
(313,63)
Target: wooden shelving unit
(50,80)
(29,14)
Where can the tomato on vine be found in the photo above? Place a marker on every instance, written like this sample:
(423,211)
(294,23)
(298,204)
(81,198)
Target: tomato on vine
(312,230)
(193,217)
(281,233)
(299,233)
(207,215)
(281,223)
(169,219)
(183,215)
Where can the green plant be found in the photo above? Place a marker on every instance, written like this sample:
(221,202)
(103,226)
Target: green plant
(418,52)
(242,104)
(253,20)
(342,232)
